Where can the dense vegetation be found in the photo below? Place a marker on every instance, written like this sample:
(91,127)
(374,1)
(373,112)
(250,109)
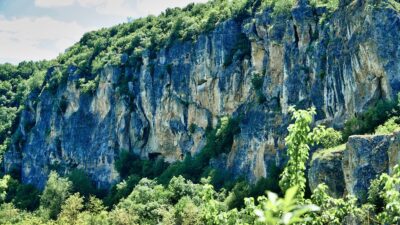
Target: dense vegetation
(16,83)
(181,201)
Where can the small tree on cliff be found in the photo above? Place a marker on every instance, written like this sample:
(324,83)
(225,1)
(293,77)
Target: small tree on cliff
(298,143)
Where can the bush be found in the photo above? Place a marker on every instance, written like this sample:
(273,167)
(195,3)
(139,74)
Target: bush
(121,190)
(367,122)
(27,197)
(390,126)
(88,86)
(81,183)
(130,164)
(257,82)
(328,137)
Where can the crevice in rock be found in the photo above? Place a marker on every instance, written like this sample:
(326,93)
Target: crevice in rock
(296,35)
(154,156)
(313,34)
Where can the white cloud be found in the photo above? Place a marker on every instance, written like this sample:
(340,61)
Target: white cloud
(124,8)
(44,37)
(121,8)
(53,3)
(157,6)
(36,38)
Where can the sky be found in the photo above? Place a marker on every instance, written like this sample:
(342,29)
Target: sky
(42,29)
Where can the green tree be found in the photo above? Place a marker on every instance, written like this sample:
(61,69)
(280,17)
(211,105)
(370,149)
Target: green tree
(297,143)
(3,187)
(55,193)
(273,210)
(81,183)
(27,197)
(70,210)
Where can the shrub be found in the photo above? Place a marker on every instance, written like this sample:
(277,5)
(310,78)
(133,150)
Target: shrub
(328,137)
(130,164)
(81,183)
(3,187)
(384,192)
(389,126)
(27,197)
(368,121)
(121,190)
(257,82)
(88,86)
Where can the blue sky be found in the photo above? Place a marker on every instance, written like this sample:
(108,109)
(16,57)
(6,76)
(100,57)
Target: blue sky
(42,29)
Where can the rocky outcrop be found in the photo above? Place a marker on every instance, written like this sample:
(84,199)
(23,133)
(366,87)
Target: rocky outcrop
(350,170)
(340,63)
(326,167)
(365,158)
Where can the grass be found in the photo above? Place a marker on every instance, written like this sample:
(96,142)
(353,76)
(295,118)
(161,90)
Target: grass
(395,5)
(328,152)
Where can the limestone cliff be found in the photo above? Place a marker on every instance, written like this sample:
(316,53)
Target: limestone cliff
(350,170)
(339,62)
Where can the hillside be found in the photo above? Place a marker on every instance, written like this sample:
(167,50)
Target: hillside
(207,91)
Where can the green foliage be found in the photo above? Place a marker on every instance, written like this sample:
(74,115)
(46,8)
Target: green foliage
(384,192)
(297,143)
(16,83)
(26,197)
(257,81)
(3,187)
(106,46)
(328,152)
(81,183)
(327,137)
(368,121)
(274,210)
(243,189)
(280,7)
(192,128)
(333,211)
(130,164)
(121,190)
(389,127)
(11,215)
(55,193)
(70,210)
(331,5)
(88,86)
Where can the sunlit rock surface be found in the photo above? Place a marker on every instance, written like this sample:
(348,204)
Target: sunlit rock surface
(340,64)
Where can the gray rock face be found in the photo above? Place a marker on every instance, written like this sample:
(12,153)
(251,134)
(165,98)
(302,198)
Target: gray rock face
(351,170)
(340,65)
(327,168)
(365,158)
